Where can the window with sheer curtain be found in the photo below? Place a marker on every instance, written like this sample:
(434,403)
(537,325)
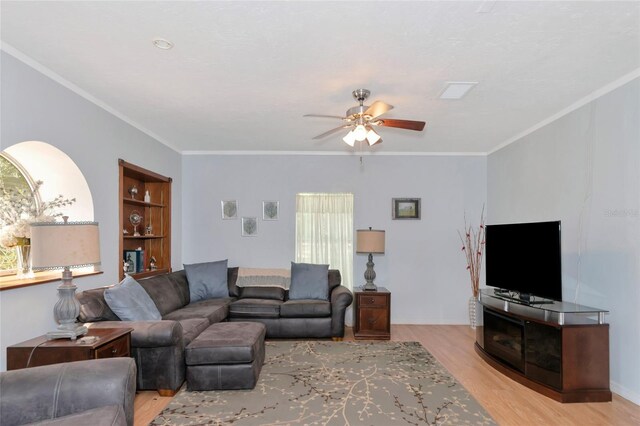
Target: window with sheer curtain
(324,231)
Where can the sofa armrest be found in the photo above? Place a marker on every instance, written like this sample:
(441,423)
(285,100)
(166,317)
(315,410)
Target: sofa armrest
(341,298)
(148,334)
(51,391)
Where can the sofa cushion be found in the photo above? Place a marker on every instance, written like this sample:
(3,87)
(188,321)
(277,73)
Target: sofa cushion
(232,279)
(305,309)
(179,279)
(207,280)
(192,327)
(214,310)
(309,281)
(130,302)
(93,307)
(274,293)
(255,308)
(164,292)
(335,279)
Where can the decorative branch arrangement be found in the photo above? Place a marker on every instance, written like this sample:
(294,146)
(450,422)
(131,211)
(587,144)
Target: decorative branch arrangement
(473,248)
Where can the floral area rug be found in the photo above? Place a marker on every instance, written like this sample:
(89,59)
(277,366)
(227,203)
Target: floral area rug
(336,383)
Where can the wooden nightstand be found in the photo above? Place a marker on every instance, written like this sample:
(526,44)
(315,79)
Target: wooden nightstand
(372,314)
(109,343)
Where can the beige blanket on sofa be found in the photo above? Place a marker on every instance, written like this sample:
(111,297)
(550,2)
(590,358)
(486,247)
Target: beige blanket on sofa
(254,277)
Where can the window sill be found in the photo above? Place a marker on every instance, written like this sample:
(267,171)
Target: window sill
(10,282)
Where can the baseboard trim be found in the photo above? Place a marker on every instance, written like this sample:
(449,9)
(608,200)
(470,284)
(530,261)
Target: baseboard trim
(625,392)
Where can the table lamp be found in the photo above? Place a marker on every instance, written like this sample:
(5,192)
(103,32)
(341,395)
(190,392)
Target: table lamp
(369,241)
(56,245)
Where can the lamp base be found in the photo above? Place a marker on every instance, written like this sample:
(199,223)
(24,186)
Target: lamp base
(68,331)
(370,287)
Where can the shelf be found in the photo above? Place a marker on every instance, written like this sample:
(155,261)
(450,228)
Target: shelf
(141,203)
(156,214)
(146,274)
(554,312)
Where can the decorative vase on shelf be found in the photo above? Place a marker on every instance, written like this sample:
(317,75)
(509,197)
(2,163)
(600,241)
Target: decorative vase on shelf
(23,258)
(472,311)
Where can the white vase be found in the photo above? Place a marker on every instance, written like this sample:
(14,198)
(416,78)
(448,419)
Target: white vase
(23,260)
(472,312)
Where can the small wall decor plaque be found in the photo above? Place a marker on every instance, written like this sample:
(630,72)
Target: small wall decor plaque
(405,208)
(249,227)
(229,209)
(270,210)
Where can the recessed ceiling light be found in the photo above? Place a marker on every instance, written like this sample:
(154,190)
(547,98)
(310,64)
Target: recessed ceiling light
(163,44)
(457,89)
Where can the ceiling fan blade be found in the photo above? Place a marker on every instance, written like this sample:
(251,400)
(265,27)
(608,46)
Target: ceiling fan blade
(402,124)
(378,108)
(324,116)
(322,135)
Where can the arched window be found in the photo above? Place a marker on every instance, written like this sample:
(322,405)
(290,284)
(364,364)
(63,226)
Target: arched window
(16,194)
(37,182)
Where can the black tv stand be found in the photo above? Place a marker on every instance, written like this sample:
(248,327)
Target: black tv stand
(558,349)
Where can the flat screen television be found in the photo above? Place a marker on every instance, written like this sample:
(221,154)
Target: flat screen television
(525,258)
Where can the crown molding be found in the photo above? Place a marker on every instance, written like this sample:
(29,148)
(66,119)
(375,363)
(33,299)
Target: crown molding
(337,153)
(576,105)
(80,92)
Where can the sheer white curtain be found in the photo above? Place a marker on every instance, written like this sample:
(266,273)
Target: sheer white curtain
(324,232)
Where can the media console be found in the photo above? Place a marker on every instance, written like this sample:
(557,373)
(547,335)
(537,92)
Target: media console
(558,349)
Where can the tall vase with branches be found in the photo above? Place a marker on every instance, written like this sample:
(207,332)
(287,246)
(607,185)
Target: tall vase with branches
(473,249)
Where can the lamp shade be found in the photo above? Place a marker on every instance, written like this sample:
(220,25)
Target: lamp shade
(369,241)
(57,245)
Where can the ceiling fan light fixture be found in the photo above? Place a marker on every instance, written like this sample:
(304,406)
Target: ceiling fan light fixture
(350,139)
(372,137)
(360,133)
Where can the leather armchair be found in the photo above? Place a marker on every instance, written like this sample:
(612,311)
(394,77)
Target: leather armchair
(96,392)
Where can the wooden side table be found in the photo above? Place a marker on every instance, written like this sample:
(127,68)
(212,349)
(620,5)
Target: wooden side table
(372,314)
(108,343)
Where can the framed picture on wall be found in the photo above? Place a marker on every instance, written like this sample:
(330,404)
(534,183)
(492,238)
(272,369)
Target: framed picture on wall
(270,210)
(249,227)
(229,209)
(405,208)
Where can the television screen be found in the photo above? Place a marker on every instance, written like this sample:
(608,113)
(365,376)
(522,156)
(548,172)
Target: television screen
(525,257)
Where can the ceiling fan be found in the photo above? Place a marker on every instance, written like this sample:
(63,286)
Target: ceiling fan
(361,119)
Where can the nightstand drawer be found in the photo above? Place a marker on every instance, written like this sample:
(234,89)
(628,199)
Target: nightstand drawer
(117,348)
(373,300)
(373,320)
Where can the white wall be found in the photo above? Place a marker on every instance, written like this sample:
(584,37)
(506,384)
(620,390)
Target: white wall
(35,107)
(422,267)
(584,169)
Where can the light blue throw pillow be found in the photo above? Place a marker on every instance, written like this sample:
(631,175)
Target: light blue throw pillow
(309,281)
(130,302)
(207,280)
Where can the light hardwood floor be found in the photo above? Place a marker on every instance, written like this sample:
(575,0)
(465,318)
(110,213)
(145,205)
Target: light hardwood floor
(507,401)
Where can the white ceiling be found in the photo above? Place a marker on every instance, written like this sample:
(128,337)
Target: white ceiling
(242,74)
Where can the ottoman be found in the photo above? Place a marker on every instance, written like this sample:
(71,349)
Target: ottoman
(227,355)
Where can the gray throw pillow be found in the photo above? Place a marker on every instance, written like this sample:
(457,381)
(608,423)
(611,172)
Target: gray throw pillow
(207,280)
(130,302)
(309,281)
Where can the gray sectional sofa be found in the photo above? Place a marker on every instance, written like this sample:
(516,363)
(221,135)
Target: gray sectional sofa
(158,346)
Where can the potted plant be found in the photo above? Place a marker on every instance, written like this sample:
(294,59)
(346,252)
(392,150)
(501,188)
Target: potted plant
(473,249)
